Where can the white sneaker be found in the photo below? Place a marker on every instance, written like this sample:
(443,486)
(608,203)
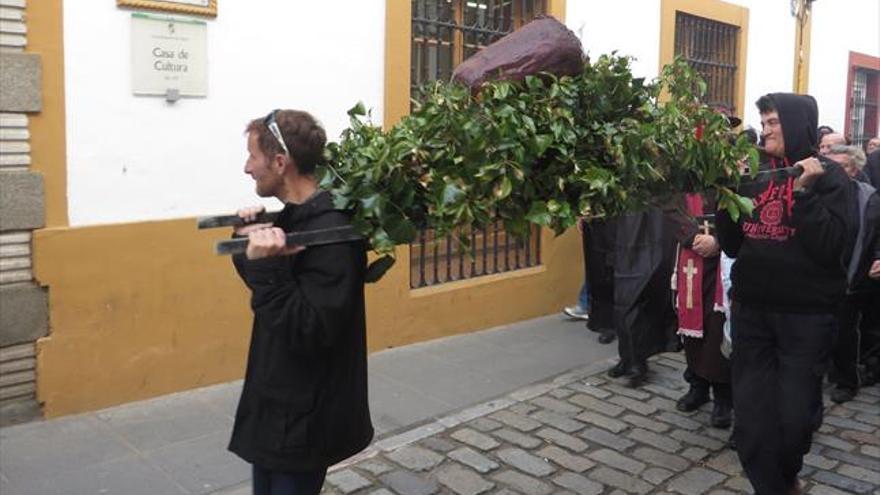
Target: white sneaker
(576,312)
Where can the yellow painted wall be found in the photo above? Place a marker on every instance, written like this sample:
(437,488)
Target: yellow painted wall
(139,310)
(46,38)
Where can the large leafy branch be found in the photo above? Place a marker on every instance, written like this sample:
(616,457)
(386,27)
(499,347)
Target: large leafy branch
(545,151)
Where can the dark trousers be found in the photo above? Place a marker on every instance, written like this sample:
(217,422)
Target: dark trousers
(846,347)
(778,363)
(277,483)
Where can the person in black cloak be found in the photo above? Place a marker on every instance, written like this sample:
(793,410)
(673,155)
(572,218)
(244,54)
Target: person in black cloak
(644,318)
(599,258)
(872,168)
(303,405)
(788,281)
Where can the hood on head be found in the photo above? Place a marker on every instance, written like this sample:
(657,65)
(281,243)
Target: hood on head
(799,116)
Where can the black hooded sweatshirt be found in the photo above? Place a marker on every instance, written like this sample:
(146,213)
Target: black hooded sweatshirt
(304,401)
(791,253)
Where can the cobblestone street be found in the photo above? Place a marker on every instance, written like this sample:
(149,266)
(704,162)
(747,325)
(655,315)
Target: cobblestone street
(583,433)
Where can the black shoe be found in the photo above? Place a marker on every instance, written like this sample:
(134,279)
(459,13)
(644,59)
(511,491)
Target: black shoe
(607,336)
(693,399)
(637,376)
(620,369)
(722,416)
(843,394)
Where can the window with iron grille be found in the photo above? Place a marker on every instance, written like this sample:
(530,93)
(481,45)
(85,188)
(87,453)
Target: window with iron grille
(710,47)
(445,33)
(865,99)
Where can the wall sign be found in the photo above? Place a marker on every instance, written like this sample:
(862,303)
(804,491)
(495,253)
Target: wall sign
(169,55)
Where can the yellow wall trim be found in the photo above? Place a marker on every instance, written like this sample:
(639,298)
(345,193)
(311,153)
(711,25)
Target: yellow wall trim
(398,48)
(144,309)
(716,10)
(556,8)
(477,281)
(45,24)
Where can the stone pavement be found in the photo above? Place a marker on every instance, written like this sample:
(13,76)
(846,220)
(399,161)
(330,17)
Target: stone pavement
(583,433)
(524,409)
(176,444)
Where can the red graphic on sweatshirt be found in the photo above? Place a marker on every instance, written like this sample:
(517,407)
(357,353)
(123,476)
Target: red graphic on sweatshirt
(773,214)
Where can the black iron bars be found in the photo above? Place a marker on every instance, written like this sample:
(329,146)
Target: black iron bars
(303,238)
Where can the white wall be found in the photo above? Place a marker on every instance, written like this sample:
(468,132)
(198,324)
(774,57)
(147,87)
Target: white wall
(139,158)
(839,26)
(632,27)
(770,53)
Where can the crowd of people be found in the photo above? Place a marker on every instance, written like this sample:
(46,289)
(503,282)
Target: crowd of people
(791,287)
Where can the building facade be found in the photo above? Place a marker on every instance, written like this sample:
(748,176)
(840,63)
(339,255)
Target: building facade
(135,304)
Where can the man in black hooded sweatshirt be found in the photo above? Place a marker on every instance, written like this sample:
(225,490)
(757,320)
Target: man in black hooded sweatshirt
(788,281)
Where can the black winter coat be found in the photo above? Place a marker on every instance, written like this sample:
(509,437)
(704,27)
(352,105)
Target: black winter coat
(304,401)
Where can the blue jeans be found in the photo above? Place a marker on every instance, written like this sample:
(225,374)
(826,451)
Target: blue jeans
(277,483)
(584,297)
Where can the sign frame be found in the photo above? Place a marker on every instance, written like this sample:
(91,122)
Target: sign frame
(207,8)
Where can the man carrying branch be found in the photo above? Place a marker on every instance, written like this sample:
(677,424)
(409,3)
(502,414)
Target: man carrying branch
(788,281)
(304,404)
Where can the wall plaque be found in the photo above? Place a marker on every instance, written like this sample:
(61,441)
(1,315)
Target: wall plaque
(169,55)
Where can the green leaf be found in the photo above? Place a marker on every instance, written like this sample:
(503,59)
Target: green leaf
(358,110)
(451,194)
(380,241)
(378,268)
(340,202)
(502,190)
(542,142)
(744,205)
(372,204)
(502,90)
(539,214)
(401,230)
(534,83)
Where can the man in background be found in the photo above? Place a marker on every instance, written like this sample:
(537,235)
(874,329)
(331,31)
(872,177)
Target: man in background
(829,140)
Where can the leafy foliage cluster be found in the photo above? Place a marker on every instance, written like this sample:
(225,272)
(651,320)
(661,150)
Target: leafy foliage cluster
(546,150)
